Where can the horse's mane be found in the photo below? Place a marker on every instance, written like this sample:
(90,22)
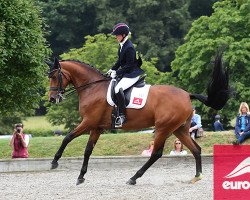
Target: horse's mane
(83,63)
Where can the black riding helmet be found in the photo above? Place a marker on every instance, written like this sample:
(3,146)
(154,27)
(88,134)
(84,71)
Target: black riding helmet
(120,29)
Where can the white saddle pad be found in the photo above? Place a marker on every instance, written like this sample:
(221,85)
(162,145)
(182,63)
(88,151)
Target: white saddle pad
(138,96)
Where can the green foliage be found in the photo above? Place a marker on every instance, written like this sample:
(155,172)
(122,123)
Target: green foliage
(157,26)
(67,22)
(22,53)
(198,8)
(7,122)
(66,113)
(227,28)
(101,51)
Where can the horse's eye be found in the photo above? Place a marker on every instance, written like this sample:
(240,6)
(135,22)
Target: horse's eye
(53,77)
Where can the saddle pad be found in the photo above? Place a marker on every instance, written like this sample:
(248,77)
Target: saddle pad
(138,96)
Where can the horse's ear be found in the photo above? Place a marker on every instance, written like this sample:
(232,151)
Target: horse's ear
(56,63)
(49,63)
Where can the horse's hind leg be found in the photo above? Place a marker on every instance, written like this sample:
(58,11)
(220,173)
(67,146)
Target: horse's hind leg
(184,136)
(94,136)
(68,138)
(156,154)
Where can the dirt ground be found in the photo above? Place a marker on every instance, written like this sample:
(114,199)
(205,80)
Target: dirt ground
(160,182)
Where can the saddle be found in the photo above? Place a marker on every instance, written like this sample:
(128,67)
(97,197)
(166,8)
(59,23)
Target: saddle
(135,96)
(127,93)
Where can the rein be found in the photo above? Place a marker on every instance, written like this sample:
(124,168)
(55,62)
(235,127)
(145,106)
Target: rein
(60,90)
(72,90)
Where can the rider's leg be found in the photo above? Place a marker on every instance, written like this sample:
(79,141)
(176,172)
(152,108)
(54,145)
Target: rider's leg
(121,109)
(123,84)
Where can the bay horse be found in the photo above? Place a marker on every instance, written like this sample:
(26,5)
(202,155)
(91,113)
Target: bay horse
(168,108)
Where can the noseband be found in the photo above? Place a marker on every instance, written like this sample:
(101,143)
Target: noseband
(60,89)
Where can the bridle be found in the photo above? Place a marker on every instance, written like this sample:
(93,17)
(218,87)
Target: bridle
(60,90)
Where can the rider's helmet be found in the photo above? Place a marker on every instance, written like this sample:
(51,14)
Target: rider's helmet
(120,29)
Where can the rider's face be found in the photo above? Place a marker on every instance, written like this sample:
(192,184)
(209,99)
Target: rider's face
(119,38)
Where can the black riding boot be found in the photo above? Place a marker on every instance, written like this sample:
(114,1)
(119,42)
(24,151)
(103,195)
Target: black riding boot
(121,119)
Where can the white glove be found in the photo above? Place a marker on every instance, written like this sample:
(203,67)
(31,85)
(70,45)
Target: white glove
(110,71)
(113,74)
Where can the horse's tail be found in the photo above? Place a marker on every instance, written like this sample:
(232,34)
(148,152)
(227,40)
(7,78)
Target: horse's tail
(218,90)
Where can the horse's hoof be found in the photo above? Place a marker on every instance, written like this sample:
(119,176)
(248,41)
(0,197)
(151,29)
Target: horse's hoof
(131,182)
(196,178)
(54,165)
(80,181)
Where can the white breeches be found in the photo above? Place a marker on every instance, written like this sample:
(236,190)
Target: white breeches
(125,83)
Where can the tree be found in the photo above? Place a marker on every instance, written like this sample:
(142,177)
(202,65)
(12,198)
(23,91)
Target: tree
(101,51)
(227,28)
(68,21)
(157,26)
(22,54)
(198,8)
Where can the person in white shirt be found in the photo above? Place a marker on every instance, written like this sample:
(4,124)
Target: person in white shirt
(178,148)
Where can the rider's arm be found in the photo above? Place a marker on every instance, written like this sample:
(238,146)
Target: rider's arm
(116,65)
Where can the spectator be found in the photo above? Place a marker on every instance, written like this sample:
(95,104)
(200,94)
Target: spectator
(217,124)
(148,152)
(242,127)
(19,142)
(195,124)
(178,148)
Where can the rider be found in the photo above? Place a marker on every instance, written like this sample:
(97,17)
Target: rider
(127,68)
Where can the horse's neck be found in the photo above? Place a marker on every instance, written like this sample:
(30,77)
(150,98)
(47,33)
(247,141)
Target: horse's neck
(81,74)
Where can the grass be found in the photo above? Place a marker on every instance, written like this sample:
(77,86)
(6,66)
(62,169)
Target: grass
(39,122)
(111,144)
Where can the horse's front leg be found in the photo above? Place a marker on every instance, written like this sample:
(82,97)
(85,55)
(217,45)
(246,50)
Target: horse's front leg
(94,136)
(81,128)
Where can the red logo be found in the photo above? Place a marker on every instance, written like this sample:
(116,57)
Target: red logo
(231,172)
(137,101)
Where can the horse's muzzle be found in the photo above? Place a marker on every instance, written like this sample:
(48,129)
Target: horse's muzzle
(55,98)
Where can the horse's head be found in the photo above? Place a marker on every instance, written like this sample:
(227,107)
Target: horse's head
(58,81)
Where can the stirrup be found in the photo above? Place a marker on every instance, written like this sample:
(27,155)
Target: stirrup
(120,120)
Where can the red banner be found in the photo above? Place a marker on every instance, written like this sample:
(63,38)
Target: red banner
(231,172)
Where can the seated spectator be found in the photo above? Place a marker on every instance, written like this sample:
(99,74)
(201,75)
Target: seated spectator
(19,142)
(217,124)
(178,148)
(242,125)
(195,124)
(148,152)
